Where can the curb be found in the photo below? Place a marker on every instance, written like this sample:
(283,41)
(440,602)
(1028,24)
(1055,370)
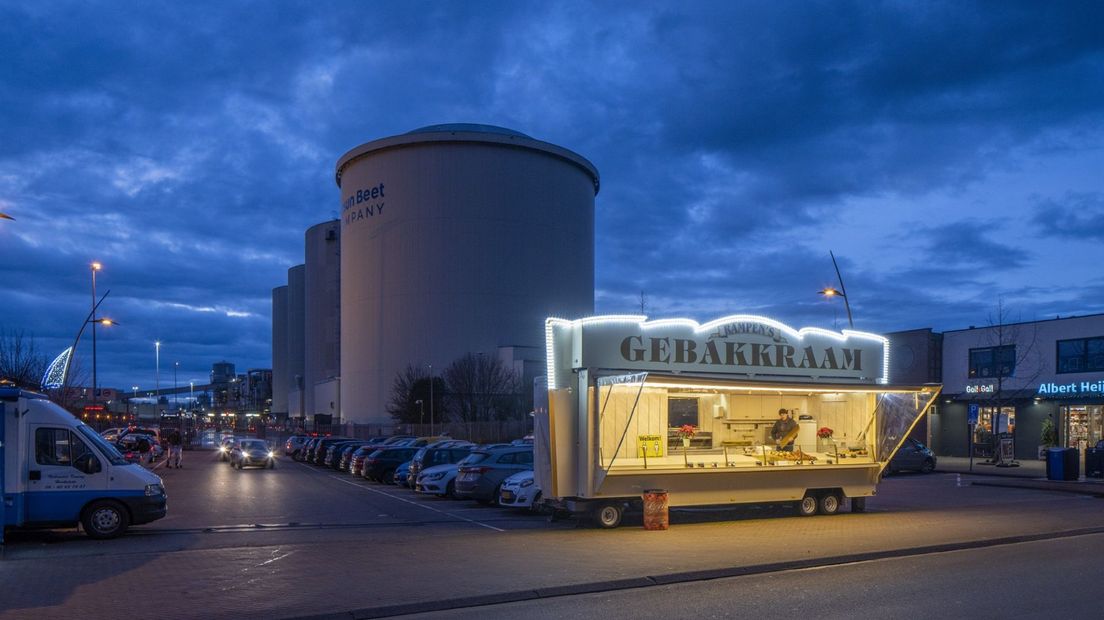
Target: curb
(1094,489)
(682,577)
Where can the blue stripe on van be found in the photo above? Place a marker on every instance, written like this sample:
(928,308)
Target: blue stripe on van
(65,506)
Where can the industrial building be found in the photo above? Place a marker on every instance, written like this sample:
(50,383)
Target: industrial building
(453,239)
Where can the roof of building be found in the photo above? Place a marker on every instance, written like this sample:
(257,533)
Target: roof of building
(469,127)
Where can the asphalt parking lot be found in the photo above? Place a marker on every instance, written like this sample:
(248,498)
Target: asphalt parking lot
(300,540)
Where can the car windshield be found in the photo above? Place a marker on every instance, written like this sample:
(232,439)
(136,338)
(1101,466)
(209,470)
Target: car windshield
(109,451)
(254,445)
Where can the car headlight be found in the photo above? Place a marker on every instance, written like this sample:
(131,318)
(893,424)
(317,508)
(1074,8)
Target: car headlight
(222,448)
(153,490)
(526,483)
(271,454)
(436,476)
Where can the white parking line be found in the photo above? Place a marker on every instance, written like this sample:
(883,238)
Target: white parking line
(420,505)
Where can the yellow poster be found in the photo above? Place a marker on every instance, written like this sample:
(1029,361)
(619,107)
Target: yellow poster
(649,446)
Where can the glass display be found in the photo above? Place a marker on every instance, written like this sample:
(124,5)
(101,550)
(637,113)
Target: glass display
(647,422)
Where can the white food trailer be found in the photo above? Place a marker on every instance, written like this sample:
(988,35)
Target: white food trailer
(620,389)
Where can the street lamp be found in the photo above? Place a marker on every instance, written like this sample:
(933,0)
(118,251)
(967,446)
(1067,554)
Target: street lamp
(176,403)
(431,424)
(134,388)
(841,292)
(157,375)
(96,266)
(421,406)
(191,395)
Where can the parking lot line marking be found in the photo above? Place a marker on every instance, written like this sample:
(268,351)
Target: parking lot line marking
(449,514)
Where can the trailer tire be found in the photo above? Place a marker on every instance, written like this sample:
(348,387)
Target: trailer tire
(608,516)
(105,519)
(829,504)
(858,504)
(807,507)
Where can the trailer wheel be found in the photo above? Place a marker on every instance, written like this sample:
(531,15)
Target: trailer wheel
(858,504)
(807,507)
(105,519)
(608,516)
(829,504)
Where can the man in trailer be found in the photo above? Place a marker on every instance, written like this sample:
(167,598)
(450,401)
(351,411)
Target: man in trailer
(784,431)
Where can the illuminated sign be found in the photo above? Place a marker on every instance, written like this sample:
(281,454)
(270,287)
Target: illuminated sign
(985,388)
(1076,388)
(748,345)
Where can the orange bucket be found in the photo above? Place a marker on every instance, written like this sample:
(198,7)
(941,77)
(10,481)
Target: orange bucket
(655,509)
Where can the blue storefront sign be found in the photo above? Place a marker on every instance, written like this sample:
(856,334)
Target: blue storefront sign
(972,415)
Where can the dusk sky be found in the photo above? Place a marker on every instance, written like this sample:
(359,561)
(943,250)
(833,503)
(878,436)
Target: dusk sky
(949,153)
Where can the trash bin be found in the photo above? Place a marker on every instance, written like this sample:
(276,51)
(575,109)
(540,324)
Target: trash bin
(1062,464)
(1094,462)
(655,509)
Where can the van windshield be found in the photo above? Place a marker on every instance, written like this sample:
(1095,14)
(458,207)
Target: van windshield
(110,453)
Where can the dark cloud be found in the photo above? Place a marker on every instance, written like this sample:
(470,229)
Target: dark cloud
(189,146)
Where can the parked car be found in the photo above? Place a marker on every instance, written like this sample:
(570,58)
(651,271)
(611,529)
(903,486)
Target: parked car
(381,464)
(295,444)
(136,447)
(252,452)
(437,454)
(481,473)
(520,491)
(913,455)
(356,460)
(439,480)
(342,458)
(308,449)
(320,449)
(333,453)
(111,435)
(402,472)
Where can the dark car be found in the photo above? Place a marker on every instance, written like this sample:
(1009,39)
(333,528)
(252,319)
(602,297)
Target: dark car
(913,455)
(356,460)
(324,445)
(307,452)
(344,455)
(381,464)
(333,453)
(430,455)
(252,452)
(481,473)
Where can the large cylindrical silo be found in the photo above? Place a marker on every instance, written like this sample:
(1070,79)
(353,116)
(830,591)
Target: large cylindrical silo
(280,383)
(296,371)
(322,327)
(456,239)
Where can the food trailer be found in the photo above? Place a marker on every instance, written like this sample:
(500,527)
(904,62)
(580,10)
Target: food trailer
(696,410)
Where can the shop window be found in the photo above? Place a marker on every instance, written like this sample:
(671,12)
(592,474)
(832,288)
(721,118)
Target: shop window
(993,362)
(682,411)
(1080,355)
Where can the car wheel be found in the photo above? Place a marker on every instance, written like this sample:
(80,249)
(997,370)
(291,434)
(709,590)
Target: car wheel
(535,506)
(807,507)
(388,477)
(928,466)
(608,516)
(829,504)
(105,519)
(450,490)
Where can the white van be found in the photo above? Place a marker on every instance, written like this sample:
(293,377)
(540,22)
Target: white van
(58,472)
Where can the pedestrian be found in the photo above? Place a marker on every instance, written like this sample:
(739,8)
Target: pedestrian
(176,450)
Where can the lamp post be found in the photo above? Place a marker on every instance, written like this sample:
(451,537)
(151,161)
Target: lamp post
(157,376)
(176,402)
(842,292)
(134,388)
(96,266)
(191,395)
(431,424)
(421,407)
(76,341)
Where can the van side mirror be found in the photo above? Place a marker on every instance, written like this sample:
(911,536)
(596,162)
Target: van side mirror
(87,463)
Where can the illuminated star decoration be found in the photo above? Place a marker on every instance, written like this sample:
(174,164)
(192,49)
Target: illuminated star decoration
(55,374)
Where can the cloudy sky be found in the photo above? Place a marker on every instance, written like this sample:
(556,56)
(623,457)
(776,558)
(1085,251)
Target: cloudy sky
(949,153)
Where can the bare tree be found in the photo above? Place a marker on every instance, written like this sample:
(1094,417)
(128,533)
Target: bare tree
(20,361)
(411,393)
(643,302)
(481,389)
(1015,355)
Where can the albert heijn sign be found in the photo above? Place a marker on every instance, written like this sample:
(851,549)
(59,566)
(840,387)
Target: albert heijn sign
(1092,389)
(740,344)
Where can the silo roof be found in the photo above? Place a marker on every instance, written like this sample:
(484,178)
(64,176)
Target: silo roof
(467,132)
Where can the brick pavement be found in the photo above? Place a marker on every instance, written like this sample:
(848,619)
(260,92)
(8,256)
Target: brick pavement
(395,565)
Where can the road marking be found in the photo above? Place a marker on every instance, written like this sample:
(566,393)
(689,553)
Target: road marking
(448,514)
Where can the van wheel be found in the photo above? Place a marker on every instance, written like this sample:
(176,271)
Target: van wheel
(807,507)
(105,519)
(608,516)
(829,504)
